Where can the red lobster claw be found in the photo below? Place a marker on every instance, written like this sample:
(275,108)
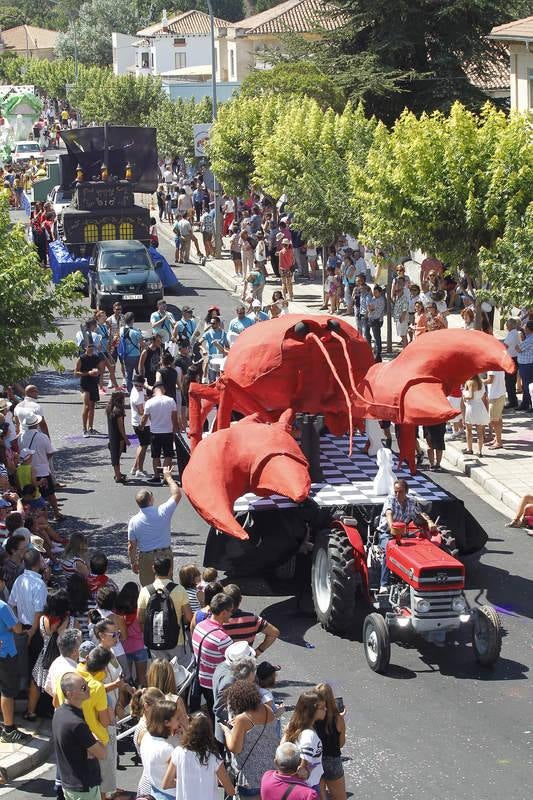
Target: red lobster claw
(249,456)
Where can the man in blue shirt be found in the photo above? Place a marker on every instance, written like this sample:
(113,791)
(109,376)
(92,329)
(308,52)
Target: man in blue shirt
(256,314)
(131,344)
(240,322)
(187,324)
(217,344)
(9,676)
(162,322)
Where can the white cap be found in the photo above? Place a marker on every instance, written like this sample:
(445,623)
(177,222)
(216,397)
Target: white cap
(237,651)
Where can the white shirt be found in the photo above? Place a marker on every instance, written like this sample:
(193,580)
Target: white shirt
(155,753)
(34,439)
(167,176)
(496,389)
(511,341)
(29,595)
(311,750)
(150,527)
(56,671)
(160,409)
(96,339)
(24,409)
(195,780)
(137,398)
(360,266)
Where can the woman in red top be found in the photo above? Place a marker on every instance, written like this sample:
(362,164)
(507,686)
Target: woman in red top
(286,264)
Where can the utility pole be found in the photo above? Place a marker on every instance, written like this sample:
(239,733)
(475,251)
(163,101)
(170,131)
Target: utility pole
(216,187)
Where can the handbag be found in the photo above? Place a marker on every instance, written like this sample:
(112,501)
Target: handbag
(195,692)
(51,652)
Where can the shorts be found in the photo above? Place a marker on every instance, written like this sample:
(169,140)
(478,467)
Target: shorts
(235,256)
(333,769)
(207,237)
(496,408)
(401,327)
(139,656)
(77,794)
(93,391)
(9,676)
(48,488)
(162,443)
(434,436)
(143,435)
(177,241)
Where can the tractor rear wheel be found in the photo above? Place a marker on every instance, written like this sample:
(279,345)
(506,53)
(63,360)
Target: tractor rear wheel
(376,641)
(487,635)
(335,581)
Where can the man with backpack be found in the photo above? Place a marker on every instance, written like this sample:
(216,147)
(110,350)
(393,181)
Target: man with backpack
(163,612)
(207,229)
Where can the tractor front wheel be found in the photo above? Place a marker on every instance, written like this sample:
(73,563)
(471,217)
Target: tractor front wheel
(486,635)
(335,581)
(376,641)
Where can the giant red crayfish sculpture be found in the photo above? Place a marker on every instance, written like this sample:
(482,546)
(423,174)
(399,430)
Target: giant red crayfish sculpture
(317,365)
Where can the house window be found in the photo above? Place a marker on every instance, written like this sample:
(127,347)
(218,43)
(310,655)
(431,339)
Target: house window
(179,43)
(530,87)
(232,64)
(126,230)
(90,232)
(108,232)
(152,59)
(180,60)
(145,60)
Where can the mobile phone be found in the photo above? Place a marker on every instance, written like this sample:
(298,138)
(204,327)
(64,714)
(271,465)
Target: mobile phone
(340,704)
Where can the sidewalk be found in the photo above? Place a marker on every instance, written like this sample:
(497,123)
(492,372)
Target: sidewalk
(504,474)
(19,759)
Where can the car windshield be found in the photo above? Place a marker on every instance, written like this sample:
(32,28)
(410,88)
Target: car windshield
(125,259)
(63,196)
(28,147)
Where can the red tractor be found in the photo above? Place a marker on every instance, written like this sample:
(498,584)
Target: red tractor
(426,594)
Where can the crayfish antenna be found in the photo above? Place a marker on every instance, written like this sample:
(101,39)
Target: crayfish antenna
(336,375)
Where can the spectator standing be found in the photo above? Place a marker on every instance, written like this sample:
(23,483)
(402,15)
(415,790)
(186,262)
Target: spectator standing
(476,413)
(310,709)
(29,405)
(68,644)
(177,596)
(332,733)
(525,366)
(278,784)
(9,677)
(150,360)
(400,311)
(77,751)
(162,412)
(245,625)
(210,641)
(28,599)
(235,250)
(149,530)
(137,403)
(434,436)
(375,314)
(252,739)
(239,664)
(118,440)
(88,369)
(512,343)
(286,266)
(195,767)
(495,381)
(34,439)
(131,345)
(155,748)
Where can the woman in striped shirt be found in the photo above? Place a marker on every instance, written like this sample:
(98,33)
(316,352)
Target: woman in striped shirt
(190,578)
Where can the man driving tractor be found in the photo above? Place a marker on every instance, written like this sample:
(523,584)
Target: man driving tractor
(398,507)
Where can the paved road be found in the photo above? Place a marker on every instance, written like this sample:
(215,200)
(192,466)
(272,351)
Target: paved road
(436,725)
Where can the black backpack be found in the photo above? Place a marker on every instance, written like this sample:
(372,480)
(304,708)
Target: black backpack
(161,625)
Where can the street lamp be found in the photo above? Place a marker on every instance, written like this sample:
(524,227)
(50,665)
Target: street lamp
(216,187)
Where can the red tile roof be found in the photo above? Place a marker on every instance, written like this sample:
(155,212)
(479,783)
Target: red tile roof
(519,29)
(294,16)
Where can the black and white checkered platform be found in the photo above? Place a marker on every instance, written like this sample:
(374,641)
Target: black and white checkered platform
(348,480)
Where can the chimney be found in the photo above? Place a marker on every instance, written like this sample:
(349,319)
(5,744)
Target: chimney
(164,21)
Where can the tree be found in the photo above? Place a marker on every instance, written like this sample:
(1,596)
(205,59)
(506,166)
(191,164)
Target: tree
(412,55)
(96,21)
(508,266)
(29,307)
(119,99)
(10,17)
(174,122)
(294,78)
(230,10)
(446,184)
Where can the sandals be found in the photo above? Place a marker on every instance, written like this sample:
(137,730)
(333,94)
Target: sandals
(468,452)
(30,716)
(515,523)
(122,479)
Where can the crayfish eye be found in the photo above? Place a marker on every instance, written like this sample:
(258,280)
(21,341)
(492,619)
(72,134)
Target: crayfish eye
(301,329)
(333,325)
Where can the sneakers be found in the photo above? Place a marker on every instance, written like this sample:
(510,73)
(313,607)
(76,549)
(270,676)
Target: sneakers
(140,473)
(14,736)
(86,434)
(93,432)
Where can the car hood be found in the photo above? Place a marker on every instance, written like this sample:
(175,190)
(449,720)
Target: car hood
(131,277)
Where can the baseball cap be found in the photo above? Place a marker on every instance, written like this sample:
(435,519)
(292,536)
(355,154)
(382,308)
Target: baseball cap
(37,543)
(237,651)
(265,668)
(25,453)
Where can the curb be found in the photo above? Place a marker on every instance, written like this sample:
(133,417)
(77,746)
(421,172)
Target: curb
(471,467)
(26,758)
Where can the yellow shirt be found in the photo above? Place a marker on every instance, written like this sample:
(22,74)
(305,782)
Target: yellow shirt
(97,701)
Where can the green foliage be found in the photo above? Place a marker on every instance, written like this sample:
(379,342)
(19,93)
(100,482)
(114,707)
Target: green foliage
(230,10)
(96,21)
(10,17)
(509,265)
(29,307)
(174,121)
(291,79)
(410,54)
(445,184)
(264,5)
(119,100)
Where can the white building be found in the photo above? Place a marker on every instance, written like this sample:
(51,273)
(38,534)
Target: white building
(518,37)
(177,43)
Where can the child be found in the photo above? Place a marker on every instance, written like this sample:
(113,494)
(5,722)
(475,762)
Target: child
(312,257)
(190,578)
(332,288)
(419,326)
(209,575)
(136,652)
(266,680)
(97,577)
(414,292)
